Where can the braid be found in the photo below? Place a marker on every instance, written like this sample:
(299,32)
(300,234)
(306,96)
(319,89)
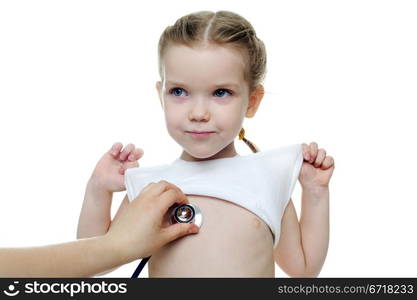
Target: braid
(251,145)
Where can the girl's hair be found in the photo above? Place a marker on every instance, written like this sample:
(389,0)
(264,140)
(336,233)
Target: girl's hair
(223,28)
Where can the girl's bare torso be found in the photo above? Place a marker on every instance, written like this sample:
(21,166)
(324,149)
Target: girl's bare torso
(232,242)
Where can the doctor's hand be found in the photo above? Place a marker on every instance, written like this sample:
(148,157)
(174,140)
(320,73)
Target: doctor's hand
(140,228)
(136,232)
(108,174)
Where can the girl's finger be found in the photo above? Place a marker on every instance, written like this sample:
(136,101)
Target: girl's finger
(321,155)
(313,151)
(115,149)
(130,164)
(327,163)
(129,148)
(121,171)
(136,154)
(306,154)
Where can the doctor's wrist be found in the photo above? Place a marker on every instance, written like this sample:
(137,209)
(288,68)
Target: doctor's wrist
(120,252)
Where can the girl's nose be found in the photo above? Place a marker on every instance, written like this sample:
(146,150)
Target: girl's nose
(199,111)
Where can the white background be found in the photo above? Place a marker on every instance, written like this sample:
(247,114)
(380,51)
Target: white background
(76,76)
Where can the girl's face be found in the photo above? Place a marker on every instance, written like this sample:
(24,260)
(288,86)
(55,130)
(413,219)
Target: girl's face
(203,91)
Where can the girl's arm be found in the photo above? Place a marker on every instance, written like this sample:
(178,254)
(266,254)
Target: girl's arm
(119,212)
(289,254)
(314,224)
(95,216)
(303,245)
(107,177)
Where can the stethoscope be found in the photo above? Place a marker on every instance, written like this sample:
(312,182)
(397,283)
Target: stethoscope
(184,213)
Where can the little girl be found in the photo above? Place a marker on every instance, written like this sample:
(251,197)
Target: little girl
(211,67)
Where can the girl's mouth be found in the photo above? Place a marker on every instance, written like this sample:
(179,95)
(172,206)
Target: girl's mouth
(200,134)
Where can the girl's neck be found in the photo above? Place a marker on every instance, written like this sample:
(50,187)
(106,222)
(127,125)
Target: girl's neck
(228,151)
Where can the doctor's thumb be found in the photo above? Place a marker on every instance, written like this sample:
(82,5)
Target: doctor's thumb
(178,230)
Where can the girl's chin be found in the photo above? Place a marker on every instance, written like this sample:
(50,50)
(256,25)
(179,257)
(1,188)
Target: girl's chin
(194,154)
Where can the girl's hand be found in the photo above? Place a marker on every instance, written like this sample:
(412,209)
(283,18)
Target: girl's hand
(317,168)
(108,174)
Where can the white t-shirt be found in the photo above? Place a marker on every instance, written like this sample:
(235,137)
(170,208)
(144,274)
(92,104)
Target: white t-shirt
(261,182)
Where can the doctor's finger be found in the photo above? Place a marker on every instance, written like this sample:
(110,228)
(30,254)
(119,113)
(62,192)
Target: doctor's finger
(159,187)
(178,230)
(171,197)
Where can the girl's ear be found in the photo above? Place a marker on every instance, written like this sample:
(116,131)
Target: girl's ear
(254,100)
(159,90)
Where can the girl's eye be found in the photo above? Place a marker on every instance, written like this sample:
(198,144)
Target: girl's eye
(175,92)
(227,91)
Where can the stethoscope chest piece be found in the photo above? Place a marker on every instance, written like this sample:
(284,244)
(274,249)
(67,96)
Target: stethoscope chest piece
(186,213)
